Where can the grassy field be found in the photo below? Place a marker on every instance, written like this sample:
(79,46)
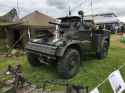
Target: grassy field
(92,71)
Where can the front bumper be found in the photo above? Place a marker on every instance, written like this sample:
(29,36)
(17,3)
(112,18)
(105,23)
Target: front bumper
(41,48)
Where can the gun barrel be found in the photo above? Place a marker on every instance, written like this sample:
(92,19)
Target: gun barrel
(54,23)
(63,25)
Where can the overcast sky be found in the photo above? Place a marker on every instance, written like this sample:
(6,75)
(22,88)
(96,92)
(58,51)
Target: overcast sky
(57,8)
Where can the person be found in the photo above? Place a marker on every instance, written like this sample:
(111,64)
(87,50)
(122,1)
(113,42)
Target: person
(101,26)
(116,29)
(122,29)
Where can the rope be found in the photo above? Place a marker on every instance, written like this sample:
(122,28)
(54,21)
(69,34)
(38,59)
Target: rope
(107,77)
(102,82)
(121,67)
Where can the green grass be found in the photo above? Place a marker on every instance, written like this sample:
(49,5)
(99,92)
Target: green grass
(3,47)
(92,71)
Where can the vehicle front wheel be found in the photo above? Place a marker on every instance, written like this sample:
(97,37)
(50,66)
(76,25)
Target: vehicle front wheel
(104,51)
(33,60)
(69,64)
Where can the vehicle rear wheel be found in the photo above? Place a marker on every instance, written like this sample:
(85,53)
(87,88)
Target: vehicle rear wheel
(33,60)
(104,51)
(69,64)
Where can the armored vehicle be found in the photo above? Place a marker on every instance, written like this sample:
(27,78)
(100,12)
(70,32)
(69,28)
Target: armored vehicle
(74,37)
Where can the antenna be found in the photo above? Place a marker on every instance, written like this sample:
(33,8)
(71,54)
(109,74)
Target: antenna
(18,8)
(70,12)
(69,8)
(78,6)
(92,9)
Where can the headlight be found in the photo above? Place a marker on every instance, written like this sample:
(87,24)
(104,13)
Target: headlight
(60,43)
(36,40)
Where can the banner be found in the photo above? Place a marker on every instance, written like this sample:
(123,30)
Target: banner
(117,82)
(96,90)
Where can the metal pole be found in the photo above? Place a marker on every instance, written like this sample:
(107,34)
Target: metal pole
(92,9)
(29,34)
(18,10)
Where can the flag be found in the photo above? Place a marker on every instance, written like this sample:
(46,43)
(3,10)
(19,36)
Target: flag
(117,82)
(96,90)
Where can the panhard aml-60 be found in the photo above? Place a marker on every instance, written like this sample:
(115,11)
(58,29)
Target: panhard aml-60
(74,37)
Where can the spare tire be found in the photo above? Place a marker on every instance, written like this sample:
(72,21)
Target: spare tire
(103,51)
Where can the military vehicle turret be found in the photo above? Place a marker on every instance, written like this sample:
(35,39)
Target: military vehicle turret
(74,36)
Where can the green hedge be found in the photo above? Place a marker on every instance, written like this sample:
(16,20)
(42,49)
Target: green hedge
(123,39)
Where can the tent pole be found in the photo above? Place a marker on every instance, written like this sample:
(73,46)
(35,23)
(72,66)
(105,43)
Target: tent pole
(29,34)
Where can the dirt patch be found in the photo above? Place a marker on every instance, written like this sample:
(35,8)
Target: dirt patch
(115,39)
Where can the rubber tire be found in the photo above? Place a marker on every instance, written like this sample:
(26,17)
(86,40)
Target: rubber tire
(104,51)
(63,63)
(33,60)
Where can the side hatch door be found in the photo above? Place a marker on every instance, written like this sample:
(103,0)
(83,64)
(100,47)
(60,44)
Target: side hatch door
(85,36)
